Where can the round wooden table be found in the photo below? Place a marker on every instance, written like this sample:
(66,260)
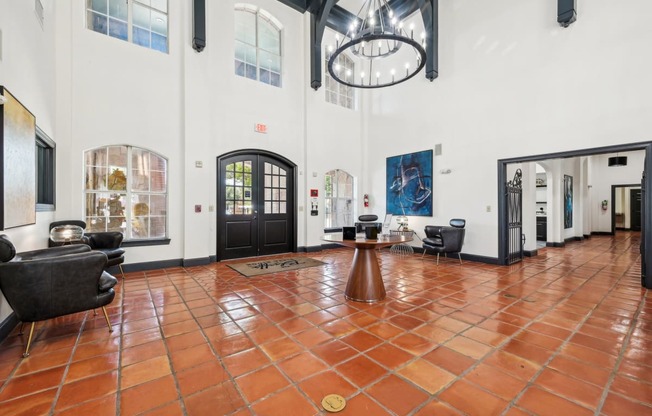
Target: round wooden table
(365,281)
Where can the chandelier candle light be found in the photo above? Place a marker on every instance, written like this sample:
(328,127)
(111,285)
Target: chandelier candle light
(376,37)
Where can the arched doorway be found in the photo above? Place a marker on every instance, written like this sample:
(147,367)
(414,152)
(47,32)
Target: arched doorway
(256,203)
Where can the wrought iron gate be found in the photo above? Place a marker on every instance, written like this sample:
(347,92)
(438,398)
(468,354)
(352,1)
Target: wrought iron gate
(514,204)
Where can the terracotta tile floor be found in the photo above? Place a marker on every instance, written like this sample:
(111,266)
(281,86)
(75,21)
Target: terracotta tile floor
(568,332)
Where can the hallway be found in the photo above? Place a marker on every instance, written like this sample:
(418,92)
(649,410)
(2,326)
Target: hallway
(568,332)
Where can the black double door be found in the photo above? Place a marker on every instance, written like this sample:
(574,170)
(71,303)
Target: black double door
(255,214)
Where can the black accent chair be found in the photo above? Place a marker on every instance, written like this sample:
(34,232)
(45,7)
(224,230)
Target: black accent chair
(443,239)
(369,220)
(108,242)
(52,282)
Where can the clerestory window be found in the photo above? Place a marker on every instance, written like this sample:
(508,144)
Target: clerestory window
(337,93)
(257,45)
(143,22)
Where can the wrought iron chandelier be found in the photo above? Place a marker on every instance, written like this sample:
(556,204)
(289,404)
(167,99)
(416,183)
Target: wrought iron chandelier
(385,51)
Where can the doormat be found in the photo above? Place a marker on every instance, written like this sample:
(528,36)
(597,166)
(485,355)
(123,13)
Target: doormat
(274,265)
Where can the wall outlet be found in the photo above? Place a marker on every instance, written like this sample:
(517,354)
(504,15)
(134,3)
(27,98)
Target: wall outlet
(488,208)
(197,208)
(199,164)
(211,208)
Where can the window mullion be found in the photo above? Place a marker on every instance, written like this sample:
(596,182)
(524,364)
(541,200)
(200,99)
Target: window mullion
(130,21)
(128,195)
(257,51)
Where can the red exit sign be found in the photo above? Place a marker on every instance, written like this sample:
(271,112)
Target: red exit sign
(260,128)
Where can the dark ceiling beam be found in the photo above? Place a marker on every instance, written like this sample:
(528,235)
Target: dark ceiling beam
(340,19)
(326,13)
(430,16)
(403,8)
(317,26)
(298,5)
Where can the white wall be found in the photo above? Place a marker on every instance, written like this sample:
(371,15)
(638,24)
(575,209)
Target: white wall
(514,83)
(27,71)
(187,106)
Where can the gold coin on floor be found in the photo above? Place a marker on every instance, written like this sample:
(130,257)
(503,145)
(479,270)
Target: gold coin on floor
(333,403)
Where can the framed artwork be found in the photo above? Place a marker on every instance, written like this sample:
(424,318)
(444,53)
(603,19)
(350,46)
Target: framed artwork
(568,201)
(17,163)
(409,184)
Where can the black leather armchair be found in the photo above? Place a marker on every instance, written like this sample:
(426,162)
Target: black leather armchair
(365,221)
(443,239)
(107,242)
(47,283)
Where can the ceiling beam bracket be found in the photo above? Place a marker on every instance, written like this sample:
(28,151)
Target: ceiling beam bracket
(430,15)
(318,22)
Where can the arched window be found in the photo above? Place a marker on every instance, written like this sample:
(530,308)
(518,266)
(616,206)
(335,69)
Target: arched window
(257,44)
(126,190)
(337,93)
(338,199)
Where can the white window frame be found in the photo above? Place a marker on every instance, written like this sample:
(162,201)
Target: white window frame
(261,14)
(332,87)
(338,196)
(128,191)
(130,25)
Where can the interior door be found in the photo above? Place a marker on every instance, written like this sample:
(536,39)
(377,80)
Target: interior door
(237,207)
(255,214)
(275,211)
(635,209)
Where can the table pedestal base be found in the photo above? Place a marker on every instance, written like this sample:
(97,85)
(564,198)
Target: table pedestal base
(365,281)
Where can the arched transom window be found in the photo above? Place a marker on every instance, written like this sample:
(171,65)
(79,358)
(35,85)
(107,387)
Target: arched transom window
(257,44)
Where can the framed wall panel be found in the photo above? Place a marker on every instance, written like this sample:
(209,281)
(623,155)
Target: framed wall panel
(568,201)
(17,163)
(409,184)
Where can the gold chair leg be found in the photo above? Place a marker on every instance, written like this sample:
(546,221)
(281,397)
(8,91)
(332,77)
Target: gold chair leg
(437,259)
(459,255)
(29,340)
(122,272)
(106,316)
(424,253)
(20,331)
(95,312)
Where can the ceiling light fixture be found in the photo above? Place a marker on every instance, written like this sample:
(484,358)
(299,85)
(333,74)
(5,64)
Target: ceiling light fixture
(386,52)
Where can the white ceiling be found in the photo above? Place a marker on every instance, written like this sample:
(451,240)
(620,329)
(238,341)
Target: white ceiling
(351,5)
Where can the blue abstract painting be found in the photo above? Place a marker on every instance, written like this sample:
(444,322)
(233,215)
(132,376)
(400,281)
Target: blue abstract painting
(568,201)
(409,184)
